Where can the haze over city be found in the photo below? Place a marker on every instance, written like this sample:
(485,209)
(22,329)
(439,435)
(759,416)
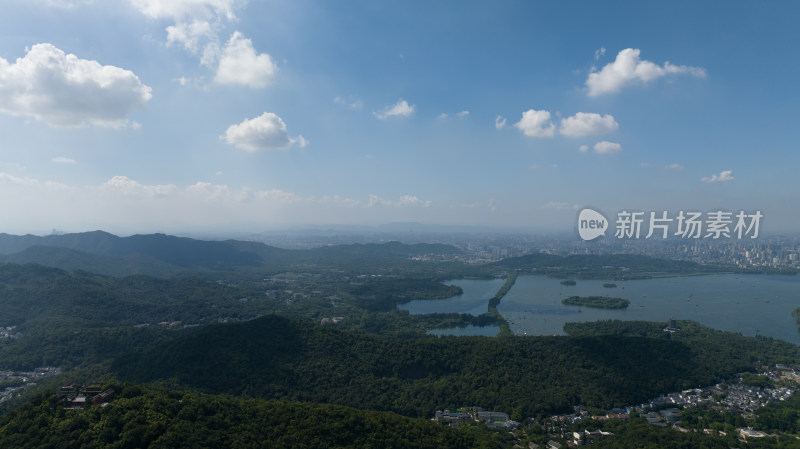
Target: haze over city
(173,116)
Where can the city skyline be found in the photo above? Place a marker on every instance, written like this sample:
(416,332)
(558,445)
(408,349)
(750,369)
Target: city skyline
(209,115)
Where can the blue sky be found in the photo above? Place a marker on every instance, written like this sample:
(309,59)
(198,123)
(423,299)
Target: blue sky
(171,115)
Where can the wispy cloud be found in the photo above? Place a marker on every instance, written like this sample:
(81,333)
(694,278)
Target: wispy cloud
(723,176)
(399,109)
(350,102)
(403,201)
(599,53)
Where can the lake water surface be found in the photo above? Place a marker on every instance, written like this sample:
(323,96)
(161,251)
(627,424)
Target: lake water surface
(749,304)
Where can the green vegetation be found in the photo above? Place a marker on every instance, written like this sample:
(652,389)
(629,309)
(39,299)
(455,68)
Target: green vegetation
(169,256)
(755,380)
(71,319)
(150,417)
(294,379)
(505,330)
(599,302)
(636,433)
(796,315)
(716,347)
(276,358)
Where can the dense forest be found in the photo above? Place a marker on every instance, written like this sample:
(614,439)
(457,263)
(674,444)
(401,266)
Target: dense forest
(274,357)
(141,417)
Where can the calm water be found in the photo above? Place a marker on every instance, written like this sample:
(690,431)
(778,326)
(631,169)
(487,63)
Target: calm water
(749,304)
(474,300)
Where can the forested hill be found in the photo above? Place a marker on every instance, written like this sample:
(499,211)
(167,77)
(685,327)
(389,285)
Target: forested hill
(165,256)
(274,357)
(148,417)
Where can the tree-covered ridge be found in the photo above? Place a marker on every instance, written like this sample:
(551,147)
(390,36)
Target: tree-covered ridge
(273,357)
(167,256)
(31,295)
(68,319)
(600,302)
(707,343)
(141,417)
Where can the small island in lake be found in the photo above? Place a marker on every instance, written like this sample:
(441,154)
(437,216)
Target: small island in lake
(607,285)
(600,302)
(568,282)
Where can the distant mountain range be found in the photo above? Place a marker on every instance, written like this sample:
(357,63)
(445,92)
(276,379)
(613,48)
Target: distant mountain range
(164,255)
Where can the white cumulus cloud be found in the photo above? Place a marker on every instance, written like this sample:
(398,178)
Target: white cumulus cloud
(399,109)
(628,68)
(675,167)
(500,122)
(606,147)
(62,160)
(583,148)
(240,64)
(190,34)
(536,124)
(588,123)
(265,132)
(63,90)
(723,176)
(197,24)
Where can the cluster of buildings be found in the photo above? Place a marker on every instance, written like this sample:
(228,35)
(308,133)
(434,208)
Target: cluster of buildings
(492,420)
(22,380)
(333,320)
(667,410)
(763,253)
(737,398)
(75,397)
(8,332)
